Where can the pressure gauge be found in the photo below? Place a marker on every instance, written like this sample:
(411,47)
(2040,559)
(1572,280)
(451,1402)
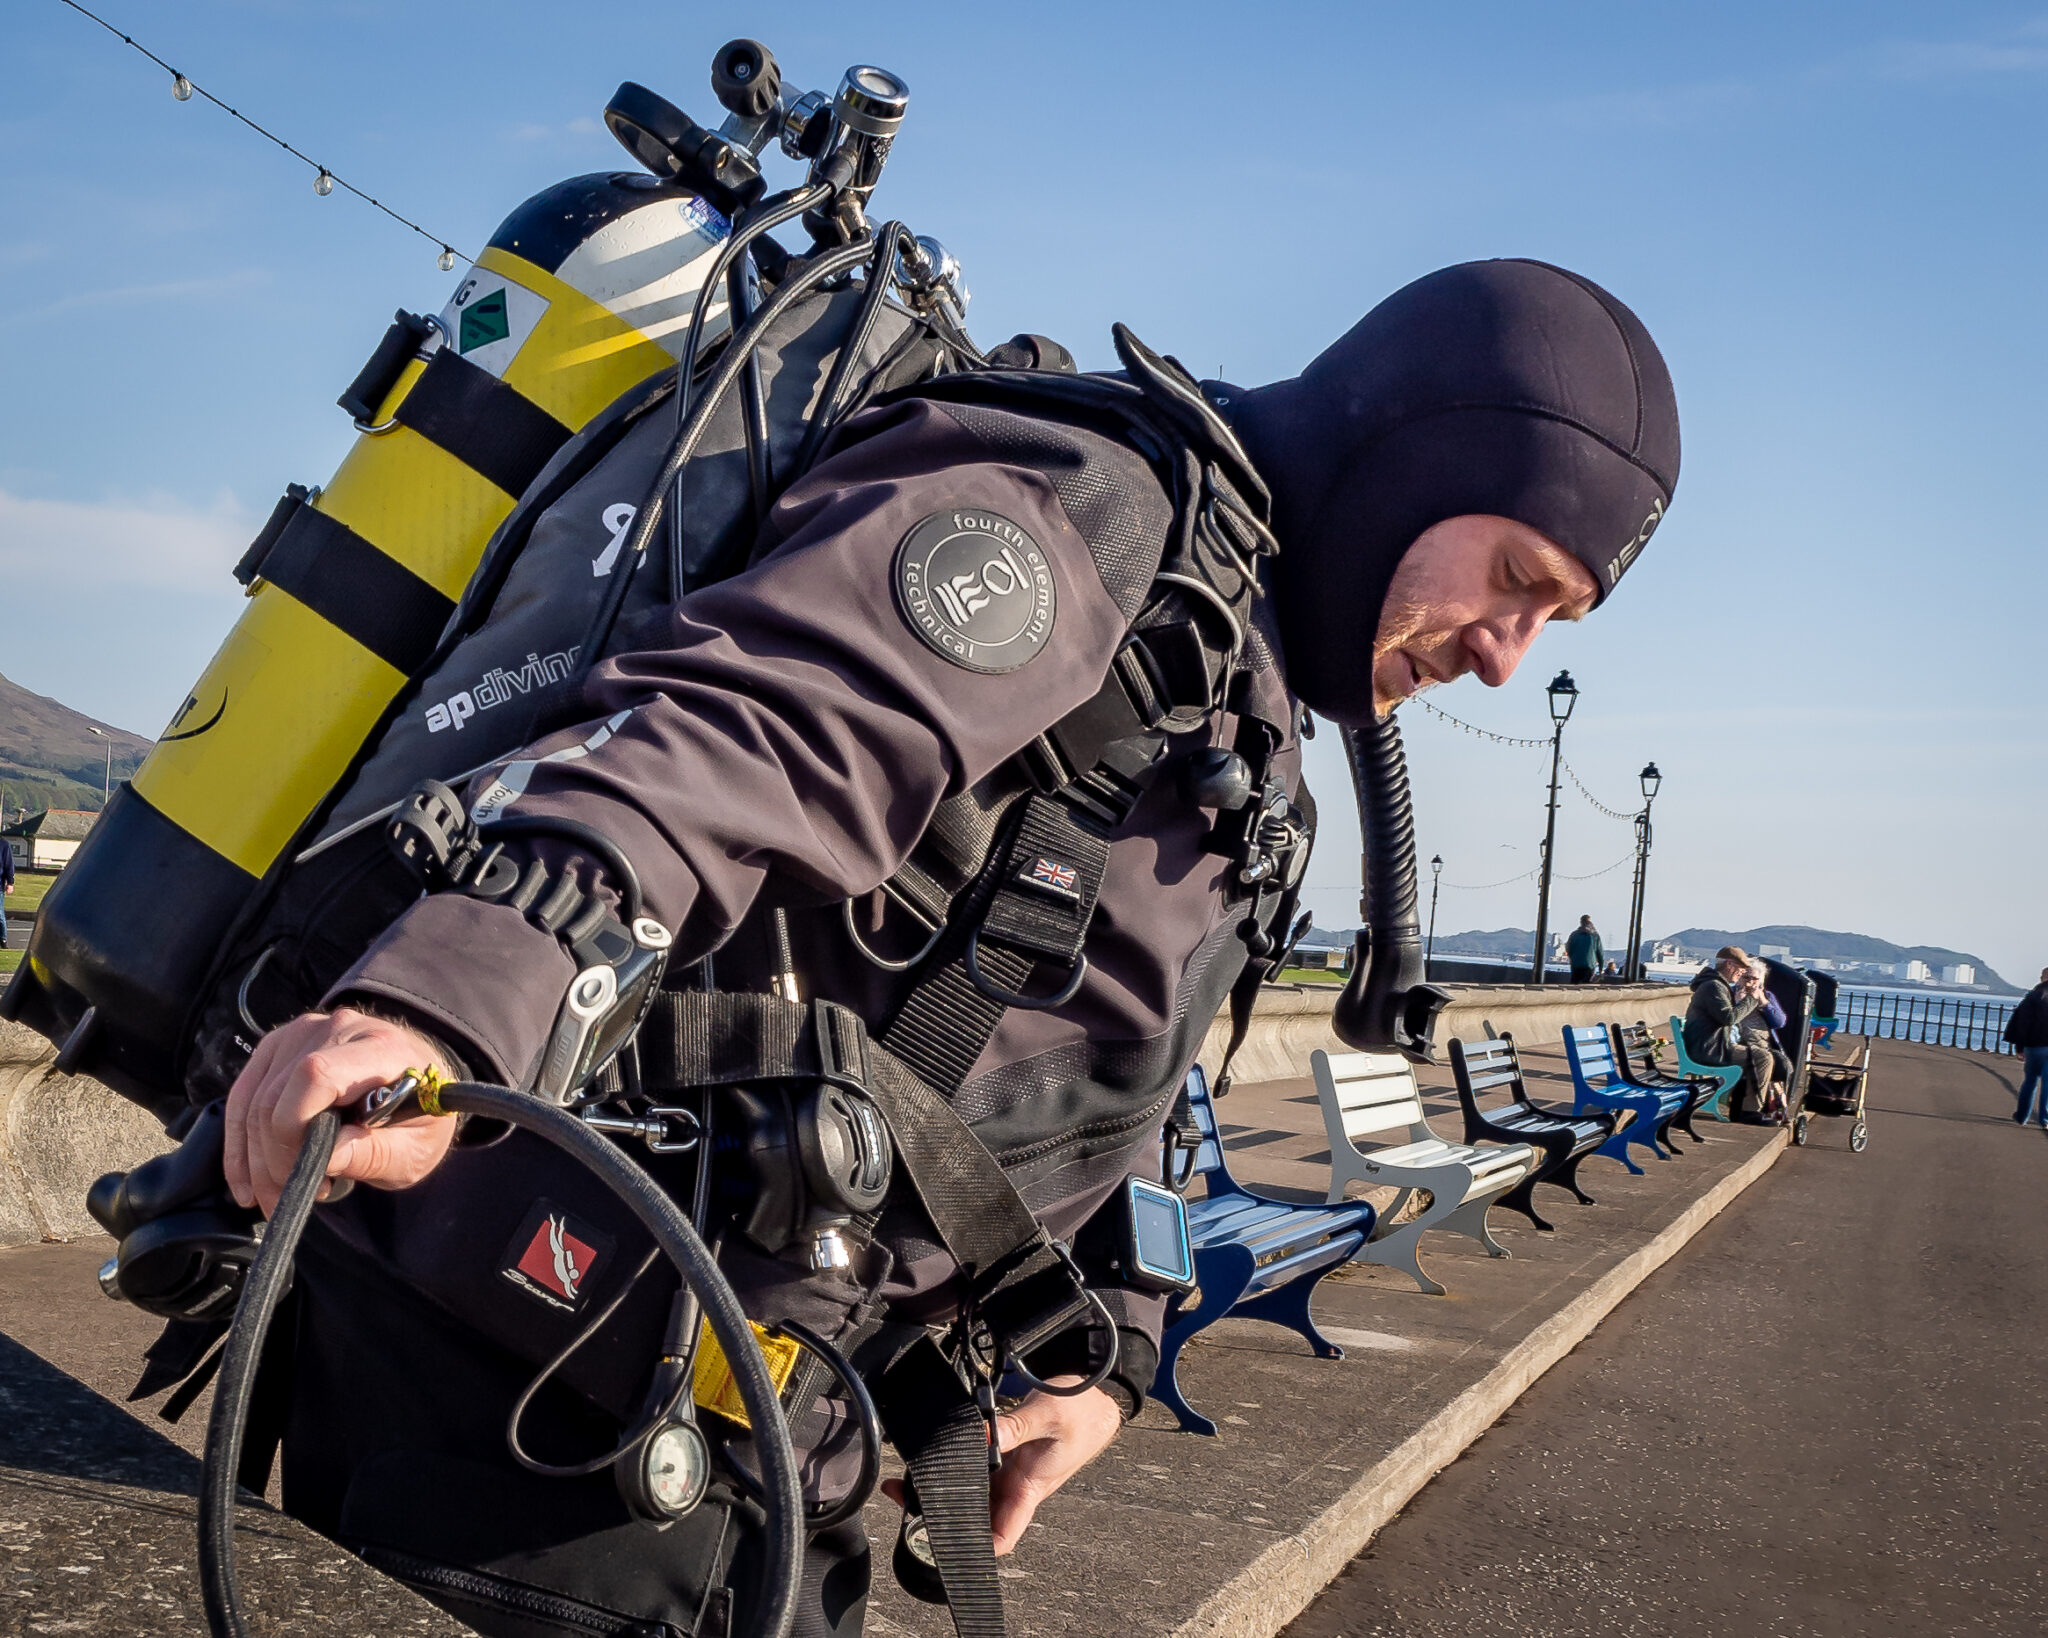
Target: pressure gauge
(671,1471)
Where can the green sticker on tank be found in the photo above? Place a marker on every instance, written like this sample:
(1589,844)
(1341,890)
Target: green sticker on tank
(489,318)
(483,322)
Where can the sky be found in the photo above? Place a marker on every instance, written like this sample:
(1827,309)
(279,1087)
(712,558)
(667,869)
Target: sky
(1830,216)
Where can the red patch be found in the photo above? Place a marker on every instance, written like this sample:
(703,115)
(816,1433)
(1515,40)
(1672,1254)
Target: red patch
(558,1260)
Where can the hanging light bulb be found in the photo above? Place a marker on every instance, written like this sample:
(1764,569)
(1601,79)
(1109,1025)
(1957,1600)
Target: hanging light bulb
(323,184)
(446,260)
(181,88)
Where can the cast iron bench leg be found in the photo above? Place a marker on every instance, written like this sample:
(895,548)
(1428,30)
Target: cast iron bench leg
(1288,1305)
(1223,1274)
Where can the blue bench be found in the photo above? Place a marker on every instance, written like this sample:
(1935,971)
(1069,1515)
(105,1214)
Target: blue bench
(1636,1048)
(1725,1076)
(1598,1083)
(1255,1257)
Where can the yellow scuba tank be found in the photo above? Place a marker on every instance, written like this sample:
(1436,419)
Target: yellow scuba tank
(585,291)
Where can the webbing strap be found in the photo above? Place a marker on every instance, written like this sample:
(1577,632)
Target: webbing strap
(1044,892)
(943,1440)
(489,427)
(349,582)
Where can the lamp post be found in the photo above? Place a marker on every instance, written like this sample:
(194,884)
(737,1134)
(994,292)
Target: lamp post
(1436,882)
(107,775)
(1633,967)
(1564,694)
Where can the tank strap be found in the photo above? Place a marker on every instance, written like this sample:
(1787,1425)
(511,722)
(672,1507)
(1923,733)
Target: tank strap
(350,583)
(492,429)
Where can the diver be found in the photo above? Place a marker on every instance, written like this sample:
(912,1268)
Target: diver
(928,611)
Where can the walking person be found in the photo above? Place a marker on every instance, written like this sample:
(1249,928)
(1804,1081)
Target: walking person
(2027,1032)
(1584,951)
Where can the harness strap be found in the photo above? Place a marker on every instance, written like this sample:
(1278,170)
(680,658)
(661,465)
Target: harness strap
(944,1441)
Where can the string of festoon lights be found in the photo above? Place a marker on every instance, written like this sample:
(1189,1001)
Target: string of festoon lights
(1592,801)
(185,88)
(1484,887)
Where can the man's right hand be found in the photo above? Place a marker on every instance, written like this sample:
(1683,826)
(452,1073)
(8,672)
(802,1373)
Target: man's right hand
(317,1062)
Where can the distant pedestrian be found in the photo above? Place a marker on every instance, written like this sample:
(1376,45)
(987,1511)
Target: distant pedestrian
(1584,951)
(2027,1030)
(6,886)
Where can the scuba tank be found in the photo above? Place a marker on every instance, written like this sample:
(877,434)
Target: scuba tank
(584,299)
(579,296)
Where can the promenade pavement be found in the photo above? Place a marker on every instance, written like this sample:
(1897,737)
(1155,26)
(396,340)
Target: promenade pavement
(1829,1417)
(1169,1532)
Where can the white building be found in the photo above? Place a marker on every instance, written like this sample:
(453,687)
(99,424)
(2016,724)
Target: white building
(1961,973)
(1775,952)
(1913,972)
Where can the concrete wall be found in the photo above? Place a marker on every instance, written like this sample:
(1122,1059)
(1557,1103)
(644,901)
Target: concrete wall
(58,1133)
(1292,1020)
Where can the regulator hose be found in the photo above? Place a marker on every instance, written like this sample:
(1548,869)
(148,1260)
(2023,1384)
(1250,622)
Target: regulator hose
(1387,1002)
(270,1276)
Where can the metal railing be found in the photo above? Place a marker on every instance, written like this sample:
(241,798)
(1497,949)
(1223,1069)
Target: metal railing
(1974,1023)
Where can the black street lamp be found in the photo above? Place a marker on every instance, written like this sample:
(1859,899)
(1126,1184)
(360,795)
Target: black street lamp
(1436,882)
(1564,694)
(1651,778)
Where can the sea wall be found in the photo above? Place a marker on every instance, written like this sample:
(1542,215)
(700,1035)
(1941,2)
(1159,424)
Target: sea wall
(1293,1020)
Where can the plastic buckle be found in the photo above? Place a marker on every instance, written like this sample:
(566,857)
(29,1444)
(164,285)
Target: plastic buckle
(1012,998)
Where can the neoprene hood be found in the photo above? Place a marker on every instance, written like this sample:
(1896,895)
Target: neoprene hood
(1510,388)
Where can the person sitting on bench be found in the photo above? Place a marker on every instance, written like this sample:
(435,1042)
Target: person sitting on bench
(1723,997)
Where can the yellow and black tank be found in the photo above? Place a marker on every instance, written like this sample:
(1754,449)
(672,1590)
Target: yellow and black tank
(585,291)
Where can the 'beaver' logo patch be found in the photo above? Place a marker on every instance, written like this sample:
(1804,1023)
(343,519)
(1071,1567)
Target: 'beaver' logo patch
(976,588)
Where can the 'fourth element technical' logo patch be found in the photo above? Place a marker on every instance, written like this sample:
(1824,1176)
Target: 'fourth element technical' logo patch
(976,588)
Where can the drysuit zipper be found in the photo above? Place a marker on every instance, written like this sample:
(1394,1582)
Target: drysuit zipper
(572,1615)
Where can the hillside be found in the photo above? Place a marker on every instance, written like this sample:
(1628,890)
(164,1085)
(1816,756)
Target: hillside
(1811,942)
(49,759)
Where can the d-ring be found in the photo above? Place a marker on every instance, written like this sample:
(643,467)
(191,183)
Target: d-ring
(1011,998)
(882,961)
(1013,1364)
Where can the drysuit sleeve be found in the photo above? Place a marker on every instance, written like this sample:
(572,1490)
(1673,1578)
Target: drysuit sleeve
(804,718)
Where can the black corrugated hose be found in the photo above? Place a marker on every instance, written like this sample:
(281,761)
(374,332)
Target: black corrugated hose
(270,1277)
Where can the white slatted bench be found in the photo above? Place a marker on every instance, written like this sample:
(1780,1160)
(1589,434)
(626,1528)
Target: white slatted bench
(1366,1093)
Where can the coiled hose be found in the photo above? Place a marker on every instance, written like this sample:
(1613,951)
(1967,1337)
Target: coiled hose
(270,1276)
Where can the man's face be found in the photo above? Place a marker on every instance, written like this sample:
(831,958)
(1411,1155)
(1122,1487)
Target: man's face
(1734,971)
(1470,596)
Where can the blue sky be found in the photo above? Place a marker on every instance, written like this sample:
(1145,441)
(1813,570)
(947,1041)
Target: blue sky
(1831,217)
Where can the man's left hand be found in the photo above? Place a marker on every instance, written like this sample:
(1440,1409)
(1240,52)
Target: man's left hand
(1045,1441)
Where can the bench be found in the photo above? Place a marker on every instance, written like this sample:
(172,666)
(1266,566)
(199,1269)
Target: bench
(1726,1077)
(1255,1257)
(1598,1083)
(1563,1138)
(1365,1093)
(1635,1045)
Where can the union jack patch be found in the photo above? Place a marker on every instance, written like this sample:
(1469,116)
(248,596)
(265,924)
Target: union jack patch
(1050,876)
